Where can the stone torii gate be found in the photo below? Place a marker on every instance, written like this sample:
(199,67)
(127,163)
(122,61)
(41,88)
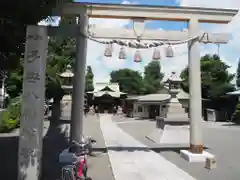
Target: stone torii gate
(30,142)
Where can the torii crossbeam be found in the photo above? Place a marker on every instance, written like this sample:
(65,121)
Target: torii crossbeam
(130,11)
(128,34)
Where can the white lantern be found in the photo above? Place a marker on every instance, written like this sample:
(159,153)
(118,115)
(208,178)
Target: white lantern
(137,56)
(122,53)
(108,50)
(169,51)
(156,54)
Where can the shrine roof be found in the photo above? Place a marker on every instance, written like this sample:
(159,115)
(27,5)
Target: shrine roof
(101,86)
(151,98)
(110,93)
(111,89)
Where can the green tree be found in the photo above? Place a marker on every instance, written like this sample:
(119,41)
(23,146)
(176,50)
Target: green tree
(215,78)
(61,52)
(130,81)
(89,79)
(238,75)
(152,77)
(10,118)
(14,18)
(13,81)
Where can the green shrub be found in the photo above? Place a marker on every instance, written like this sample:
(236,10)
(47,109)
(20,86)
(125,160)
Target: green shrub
(236,115)
(10,118)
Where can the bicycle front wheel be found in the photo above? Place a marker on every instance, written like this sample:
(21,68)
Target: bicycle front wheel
(68,173)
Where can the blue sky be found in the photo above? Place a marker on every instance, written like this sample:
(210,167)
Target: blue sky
(152,24)
(229,53)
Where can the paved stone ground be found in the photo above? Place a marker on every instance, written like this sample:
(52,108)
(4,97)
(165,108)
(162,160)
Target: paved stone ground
(132,160)
(139,128)
(54,142)
(99,164)
(221,139)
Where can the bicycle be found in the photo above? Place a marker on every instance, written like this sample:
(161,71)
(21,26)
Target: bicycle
(74,161)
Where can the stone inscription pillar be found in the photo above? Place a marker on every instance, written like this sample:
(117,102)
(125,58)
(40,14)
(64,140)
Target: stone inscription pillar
(32,114)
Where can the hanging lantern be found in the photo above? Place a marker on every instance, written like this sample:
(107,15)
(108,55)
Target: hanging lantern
(156,54)
(122,53)
(169,51)
(137,56)
(108,50)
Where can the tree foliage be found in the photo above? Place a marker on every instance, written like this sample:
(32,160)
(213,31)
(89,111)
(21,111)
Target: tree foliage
(215,78)
(10,118)
(89,79)
(14,80)
(238,75)
(61,53)
(152,77)
(14,18)
(130,81)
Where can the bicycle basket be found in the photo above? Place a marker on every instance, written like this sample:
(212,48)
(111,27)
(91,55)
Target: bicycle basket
(77,148)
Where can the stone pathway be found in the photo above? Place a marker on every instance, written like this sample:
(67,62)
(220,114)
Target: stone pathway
(132,160)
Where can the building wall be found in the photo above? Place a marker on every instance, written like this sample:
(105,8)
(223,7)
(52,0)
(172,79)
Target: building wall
(142,110)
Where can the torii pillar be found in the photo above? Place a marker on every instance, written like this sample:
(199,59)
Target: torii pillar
(195,153)
(78,95)
(196,143)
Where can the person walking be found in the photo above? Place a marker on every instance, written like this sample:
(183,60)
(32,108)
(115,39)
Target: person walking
(96,111)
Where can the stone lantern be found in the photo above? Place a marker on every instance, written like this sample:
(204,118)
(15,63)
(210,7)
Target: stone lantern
(174,84)
(67,84)
(175,108)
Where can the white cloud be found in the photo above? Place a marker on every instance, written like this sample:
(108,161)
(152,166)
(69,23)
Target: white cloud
(53,22)
(210,4)
(230,52)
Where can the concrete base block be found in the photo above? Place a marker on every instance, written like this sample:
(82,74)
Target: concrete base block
(191,157)
(175,135)
(155,136)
